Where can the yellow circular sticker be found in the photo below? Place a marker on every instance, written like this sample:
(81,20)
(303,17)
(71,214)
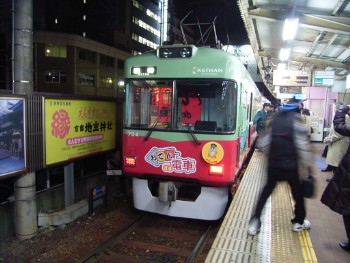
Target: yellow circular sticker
(212,152)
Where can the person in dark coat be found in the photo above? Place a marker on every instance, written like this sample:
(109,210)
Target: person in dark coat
(289,149)
(260,118)
(337,193)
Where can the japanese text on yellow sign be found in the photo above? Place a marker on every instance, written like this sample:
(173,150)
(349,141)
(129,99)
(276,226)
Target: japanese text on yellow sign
(75,128)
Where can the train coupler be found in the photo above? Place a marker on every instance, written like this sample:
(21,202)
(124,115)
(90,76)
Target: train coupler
(167,192)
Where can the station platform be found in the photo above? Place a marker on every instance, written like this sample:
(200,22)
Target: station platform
(276,241)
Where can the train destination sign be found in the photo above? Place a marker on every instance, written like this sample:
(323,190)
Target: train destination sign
(324,78)
(291,78)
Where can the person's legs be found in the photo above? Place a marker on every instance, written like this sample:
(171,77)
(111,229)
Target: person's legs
(329,168)
(265,193)
(254,224)
(334,168)
(346,244)
(299,221)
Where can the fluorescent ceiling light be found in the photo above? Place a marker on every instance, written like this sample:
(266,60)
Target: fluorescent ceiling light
(284,54)
(281,66)
(290,28)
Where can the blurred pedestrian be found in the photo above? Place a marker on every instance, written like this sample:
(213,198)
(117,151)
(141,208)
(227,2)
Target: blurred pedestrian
(305,114)
(289,148)
(337,193)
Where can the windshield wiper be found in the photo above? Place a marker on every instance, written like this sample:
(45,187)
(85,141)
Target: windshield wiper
(163,113)
(187,125)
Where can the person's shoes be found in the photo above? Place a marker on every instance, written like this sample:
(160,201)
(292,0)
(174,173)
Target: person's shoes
(328,179)
(298,227)
(254,226)
(326,170)
(345,245)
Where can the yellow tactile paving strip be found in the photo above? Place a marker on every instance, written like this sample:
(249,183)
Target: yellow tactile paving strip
(307,249)
(285,245)
(276,242)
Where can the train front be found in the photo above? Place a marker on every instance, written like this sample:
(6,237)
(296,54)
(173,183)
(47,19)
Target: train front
(179,139)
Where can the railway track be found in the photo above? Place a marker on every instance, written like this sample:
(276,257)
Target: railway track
(156,238)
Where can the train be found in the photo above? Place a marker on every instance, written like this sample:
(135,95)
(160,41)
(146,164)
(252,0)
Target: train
(186,129)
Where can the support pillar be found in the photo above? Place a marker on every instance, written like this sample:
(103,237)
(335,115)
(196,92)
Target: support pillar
(25,185)
(26,215)
(68,184)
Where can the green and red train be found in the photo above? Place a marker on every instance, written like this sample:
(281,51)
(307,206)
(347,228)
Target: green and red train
(186,129)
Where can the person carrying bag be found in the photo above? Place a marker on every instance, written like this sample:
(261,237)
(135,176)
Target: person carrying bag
(288,151)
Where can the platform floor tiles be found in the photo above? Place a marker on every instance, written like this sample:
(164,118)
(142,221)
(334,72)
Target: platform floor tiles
(276,242)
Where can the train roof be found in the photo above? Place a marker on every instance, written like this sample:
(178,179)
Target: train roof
(193,62)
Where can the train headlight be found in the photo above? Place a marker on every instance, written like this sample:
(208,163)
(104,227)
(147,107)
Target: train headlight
(185,52)
(135,71)
(151,70)
(129,161)
(167,53)
(216,169)
(175,52)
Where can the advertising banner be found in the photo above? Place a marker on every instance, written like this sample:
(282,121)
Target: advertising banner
(77,128)
(12,135)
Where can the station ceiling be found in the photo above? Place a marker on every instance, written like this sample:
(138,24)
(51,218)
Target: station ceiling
(322,41)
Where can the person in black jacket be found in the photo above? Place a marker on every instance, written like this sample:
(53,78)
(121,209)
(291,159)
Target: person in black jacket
(337,193)
(288,148)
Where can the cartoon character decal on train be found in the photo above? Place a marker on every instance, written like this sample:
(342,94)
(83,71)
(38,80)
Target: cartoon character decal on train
(186,129)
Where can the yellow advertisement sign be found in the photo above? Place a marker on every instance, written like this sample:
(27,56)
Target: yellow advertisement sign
(76,128)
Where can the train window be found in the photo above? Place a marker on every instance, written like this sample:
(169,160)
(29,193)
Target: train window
(202,105)
(148,104)
(207,105)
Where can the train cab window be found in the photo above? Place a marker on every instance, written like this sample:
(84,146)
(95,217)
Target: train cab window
(148,104)
(207,105)
(204,106)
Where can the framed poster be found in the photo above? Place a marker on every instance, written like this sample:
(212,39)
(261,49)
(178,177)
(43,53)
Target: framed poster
(13,146)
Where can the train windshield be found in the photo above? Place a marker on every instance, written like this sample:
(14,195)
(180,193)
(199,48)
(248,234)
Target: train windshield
(202,105)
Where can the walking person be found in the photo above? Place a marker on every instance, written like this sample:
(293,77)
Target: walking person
(288,148)
(337,193)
